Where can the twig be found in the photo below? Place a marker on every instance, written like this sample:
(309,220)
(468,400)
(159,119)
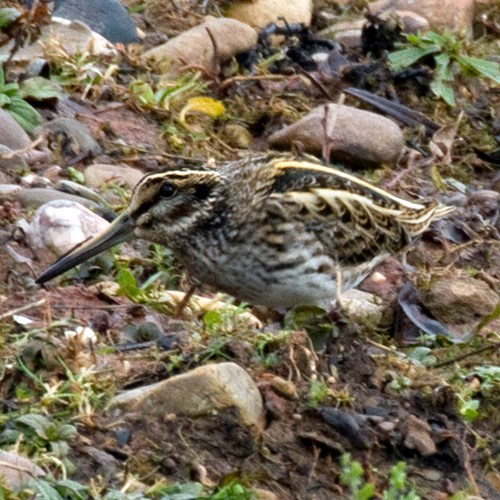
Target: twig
(467,355)
(317,83)
(468,471)
(328,123)
(250,78)
(216,59)
(29,147)
(183,303)
(21,309)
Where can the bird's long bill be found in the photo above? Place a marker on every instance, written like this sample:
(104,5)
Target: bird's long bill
(120,230)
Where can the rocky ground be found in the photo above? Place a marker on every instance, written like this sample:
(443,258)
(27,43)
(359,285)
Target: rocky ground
(110,389)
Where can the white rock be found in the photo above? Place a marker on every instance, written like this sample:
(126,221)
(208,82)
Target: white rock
(362,306)
(71,36)
(200,392)
(259,13)
(195,47)
(60,225)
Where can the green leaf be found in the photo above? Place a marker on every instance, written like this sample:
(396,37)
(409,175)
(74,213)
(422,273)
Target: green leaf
(403,58)
(469,409)
(45,491)
(444,71)
(39,423)
(27,116)
(489,69)
(4,100)
(40,89)
(66,432)
(443,90)
(72,489)
(128,283)
(10,89)
(366,492)
(59,448)
(186,491)
(211,319)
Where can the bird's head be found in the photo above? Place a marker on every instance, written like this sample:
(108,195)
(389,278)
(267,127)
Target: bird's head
(163,208)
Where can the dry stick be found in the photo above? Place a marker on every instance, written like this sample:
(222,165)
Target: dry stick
(317,83)
(216,69)
(236,79)
(29,147)
(467,355)
(183,303)
(328,124)
(21,309)
(467,467)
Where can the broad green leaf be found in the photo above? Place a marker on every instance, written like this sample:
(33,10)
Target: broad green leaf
(10,89)
(45,491)
(406,57)
(75,490)
(40,89)
(444,71)
(489,69)
(469,409)
(39,423)
(186,491)
(366,492)
(59,448)
(4,100)
(128,283)
(27,116)
(143,92)
(443,90)
(66,432)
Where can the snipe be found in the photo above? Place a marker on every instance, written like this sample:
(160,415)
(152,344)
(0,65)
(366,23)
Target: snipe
(267,230)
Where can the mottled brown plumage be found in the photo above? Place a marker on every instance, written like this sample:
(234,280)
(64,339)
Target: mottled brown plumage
(268,230)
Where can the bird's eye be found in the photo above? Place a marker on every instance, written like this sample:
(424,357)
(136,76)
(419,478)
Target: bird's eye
(167,190)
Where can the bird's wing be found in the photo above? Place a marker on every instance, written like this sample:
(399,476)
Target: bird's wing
(354,220)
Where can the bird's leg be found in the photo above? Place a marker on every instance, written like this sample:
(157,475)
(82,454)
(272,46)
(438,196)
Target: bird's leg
(335,312)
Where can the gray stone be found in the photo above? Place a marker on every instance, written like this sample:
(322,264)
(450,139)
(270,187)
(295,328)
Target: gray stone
(81,142)
(107,17)
(60,225)
(200,392)
(458,300)
(455,15)
(98,174)
(347,33)
(9,162)
(358,137)
(36,197)
(12,134)
(417,436)
(9,191)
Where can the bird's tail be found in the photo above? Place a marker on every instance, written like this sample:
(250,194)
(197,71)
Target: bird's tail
(416,222)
